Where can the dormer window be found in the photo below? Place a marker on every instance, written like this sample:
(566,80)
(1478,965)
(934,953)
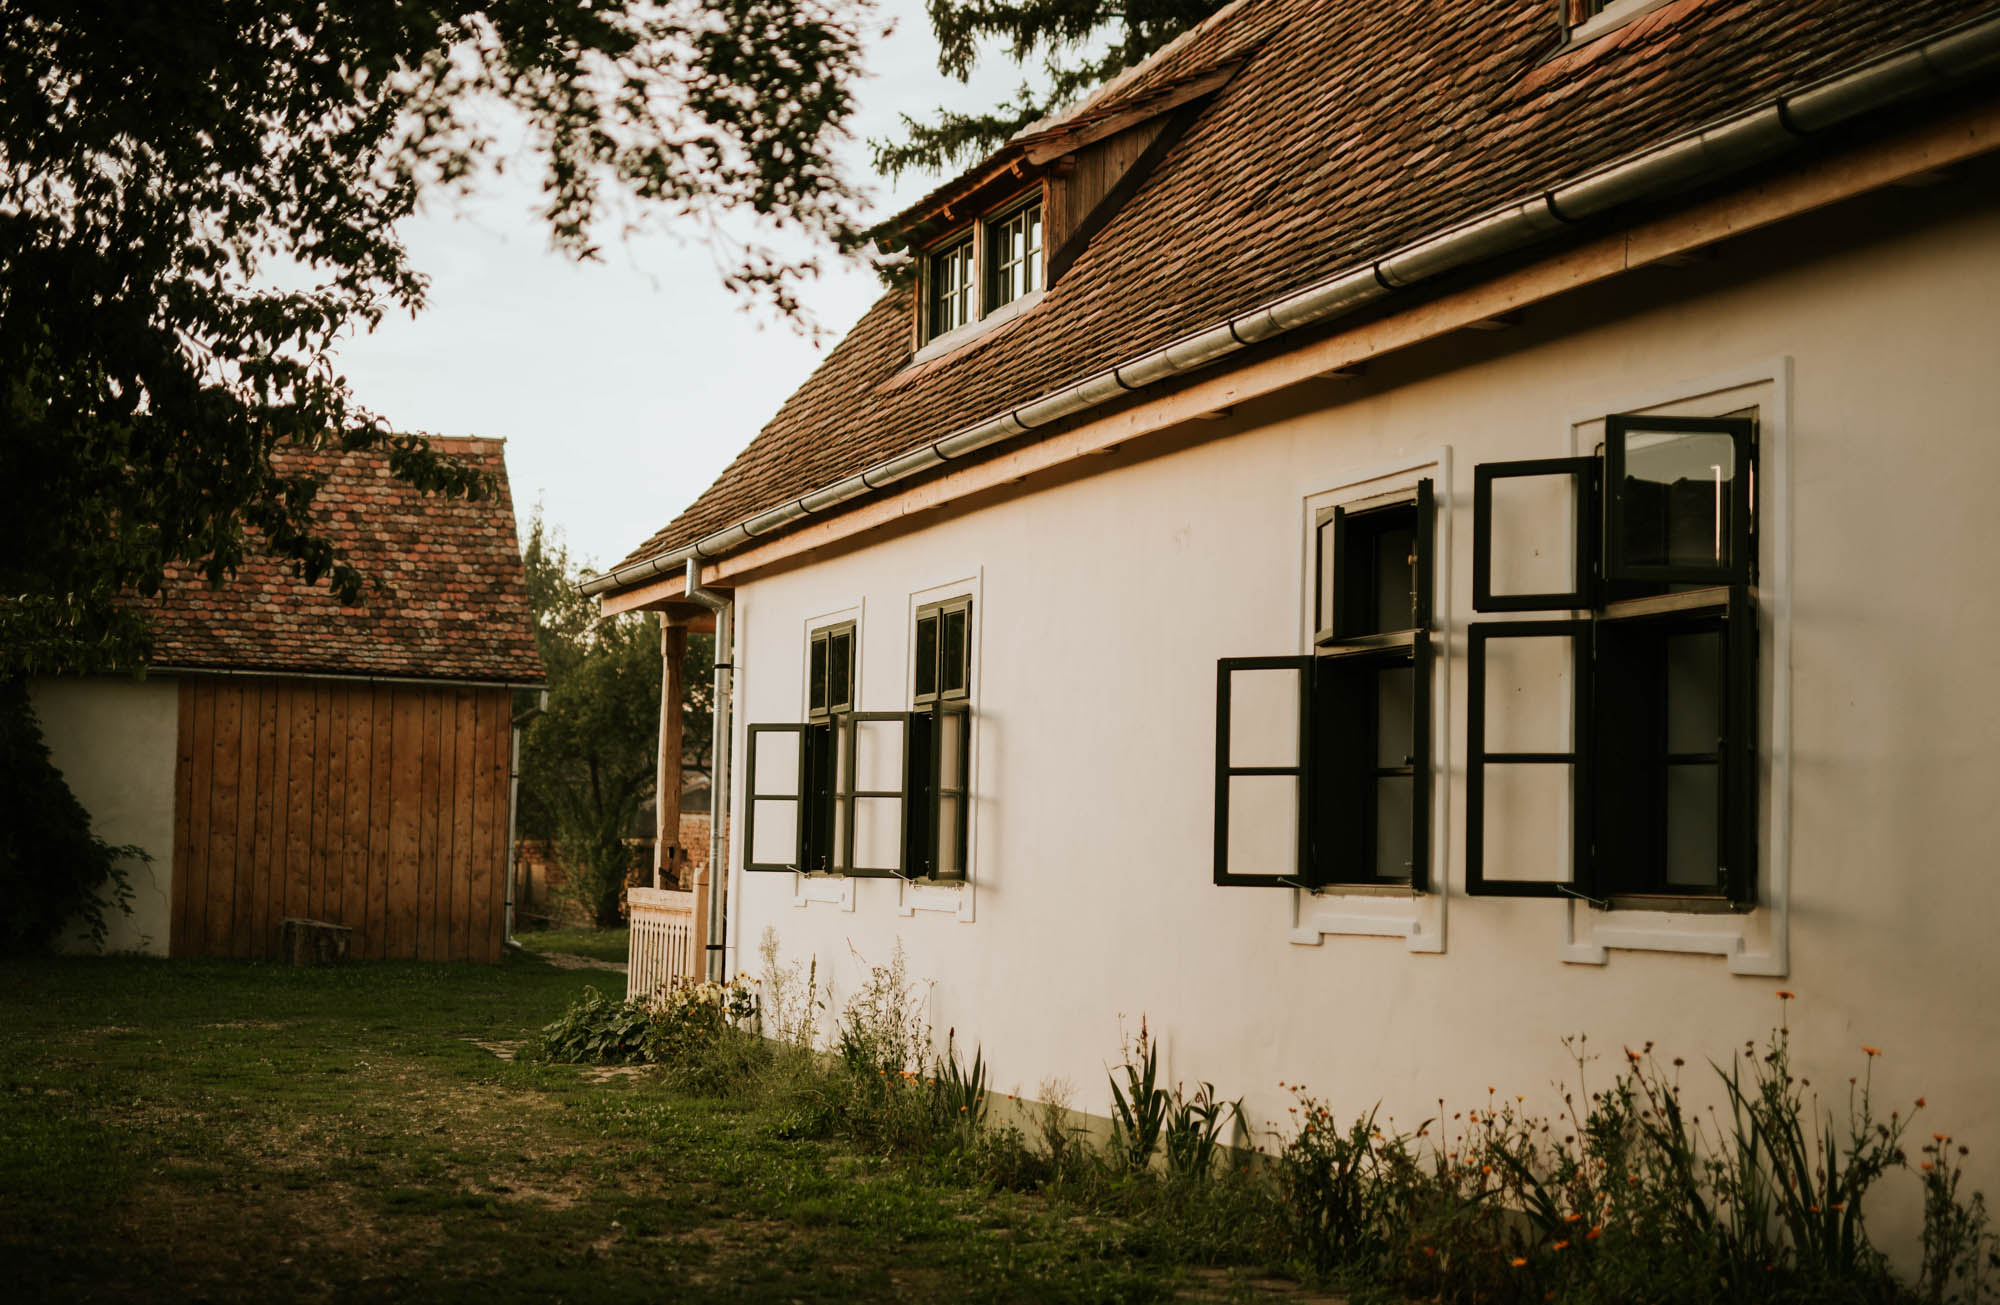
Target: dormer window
(952,283)
(1586,20)
(1014,255)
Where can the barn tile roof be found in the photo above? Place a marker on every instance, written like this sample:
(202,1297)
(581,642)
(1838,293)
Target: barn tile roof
(453,603)
(1353,128)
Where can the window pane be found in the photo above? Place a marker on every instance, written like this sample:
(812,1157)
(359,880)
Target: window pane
(1676,498)
(1694,692)
(878,833)
(777,772)
(951,671)
(1395,796)
(927,652)
(1263,825)
(950,743)
(1527,821)
(950,835)
(777,826)
(878,754)
(816,679)
(1529,695)
(1395,575)
(1264,719)
(1395,708)
(1533,544)
(1691,828)
(1013,255)
(951,288)
(840,670)
(1324,573)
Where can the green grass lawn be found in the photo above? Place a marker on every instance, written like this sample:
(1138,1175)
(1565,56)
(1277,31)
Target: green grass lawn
(598,944)
(228,1132)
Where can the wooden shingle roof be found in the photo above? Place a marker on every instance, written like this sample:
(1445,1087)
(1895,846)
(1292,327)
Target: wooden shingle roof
(453,602)
(1350,130)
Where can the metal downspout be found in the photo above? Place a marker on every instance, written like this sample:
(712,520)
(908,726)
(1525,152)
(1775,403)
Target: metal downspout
(519,723)
(715,963)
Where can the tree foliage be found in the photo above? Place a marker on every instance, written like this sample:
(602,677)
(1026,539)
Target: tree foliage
(54,872)
(588,763)
(1082,44)
(197,200)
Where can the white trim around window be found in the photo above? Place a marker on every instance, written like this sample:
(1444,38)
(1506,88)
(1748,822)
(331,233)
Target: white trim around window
(1755,942)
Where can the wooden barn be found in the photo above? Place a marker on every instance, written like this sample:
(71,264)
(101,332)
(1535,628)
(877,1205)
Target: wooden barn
(288,757)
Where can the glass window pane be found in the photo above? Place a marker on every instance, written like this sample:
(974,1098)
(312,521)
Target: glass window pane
(1395,799)
(951,670)
(1264,718)
(1395,575)
(878,833)
(950,836)
(1533,534)
(1527,822)
(1395,715)
(777,772)
(1691,828)
(1263,825)
(840,670)
(951,743)
(1694,692)
(777,833)
(927,652)
(1676,500)
(816,678)
(1529,695)
(1323,598)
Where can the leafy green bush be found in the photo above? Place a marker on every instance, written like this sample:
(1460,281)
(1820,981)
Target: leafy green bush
(54,871)
(681,1026)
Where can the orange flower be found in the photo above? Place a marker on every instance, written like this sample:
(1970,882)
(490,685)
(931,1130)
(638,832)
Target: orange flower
(1920,1103)
(1925,1166)
(1785,996)
(1939,1137)
(1872,1051)
(1572,1217)
(1562,1245)
(1519,1262)
(1595,1229)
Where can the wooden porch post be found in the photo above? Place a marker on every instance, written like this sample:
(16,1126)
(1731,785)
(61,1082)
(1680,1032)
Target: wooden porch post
(670,860)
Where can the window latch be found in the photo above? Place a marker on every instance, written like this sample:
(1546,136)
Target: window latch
(1599,903)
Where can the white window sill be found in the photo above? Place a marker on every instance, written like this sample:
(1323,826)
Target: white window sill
(954,899)
(964,335)
(833,890)
(1590,936)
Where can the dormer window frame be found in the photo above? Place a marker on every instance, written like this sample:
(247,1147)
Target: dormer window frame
(987,309)
(1583,21)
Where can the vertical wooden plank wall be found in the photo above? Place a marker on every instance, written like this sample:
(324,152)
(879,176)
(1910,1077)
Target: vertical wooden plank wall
(379,807)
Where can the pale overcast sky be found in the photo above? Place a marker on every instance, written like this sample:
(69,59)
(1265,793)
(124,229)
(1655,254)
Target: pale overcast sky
(622,387)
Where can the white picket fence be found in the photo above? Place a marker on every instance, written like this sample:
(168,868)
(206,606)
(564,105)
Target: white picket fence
(662,939)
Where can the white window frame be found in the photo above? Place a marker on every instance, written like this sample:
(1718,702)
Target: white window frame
(1390,911)
(828,889)
(956,898)
(1754,942)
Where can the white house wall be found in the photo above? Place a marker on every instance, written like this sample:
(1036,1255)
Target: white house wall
(114,741)
(1103,604)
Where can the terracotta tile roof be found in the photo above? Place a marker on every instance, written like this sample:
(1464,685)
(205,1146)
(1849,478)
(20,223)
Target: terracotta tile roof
(1352,130)
(454,603)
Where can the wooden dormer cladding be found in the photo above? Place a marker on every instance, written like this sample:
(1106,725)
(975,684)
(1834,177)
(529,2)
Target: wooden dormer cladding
(1086,165)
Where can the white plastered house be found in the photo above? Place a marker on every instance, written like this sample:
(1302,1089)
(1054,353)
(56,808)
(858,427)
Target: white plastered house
(1394,534)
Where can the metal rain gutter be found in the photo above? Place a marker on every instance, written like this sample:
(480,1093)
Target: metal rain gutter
(1940,63)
